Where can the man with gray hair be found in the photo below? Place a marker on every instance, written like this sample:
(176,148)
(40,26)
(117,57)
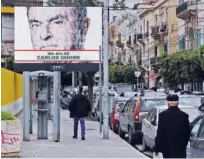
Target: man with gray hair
(173,131)
(58,28)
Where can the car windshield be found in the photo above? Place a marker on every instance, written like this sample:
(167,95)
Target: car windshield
(130,94)
(192,112)
(150,103)
(193,101)
(124,89)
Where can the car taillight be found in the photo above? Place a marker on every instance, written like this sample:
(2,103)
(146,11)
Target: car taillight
(137,111)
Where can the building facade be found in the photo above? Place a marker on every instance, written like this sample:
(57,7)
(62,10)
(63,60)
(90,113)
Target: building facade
(190,16)
(158,34)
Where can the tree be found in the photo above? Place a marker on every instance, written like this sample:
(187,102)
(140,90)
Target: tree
(10,63)
(180,68)
(121,74)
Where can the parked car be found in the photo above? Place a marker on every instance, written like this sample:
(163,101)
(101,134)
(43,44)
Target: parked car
(150,123)
(117,105)
(196,146)
(192,100)
(132,114)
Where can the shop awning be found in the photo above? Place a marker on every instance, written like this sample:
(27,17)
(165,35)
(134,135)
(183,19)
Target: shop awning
(153,76)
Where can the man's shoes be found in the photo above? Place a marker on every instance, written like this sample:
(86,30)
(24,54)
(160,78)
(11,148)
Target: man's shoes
(75,137)
(83,138)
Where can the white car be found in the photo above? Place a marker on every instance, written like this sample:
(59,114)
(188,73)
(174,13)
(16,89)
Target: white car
(150,125)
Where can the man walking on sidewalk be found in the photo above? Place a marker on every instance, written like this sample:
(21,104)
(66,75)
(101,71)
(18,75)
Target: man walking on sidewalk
(173,131)
(79,108)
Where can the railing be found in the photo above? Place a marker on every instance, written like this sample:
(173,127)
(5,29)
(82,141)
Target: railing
(154,29)
(188,5)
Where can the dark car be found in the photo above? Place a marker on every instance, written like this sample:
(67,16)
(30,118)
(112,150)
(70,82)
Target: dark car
(133,113)
(117,105)
(196,147)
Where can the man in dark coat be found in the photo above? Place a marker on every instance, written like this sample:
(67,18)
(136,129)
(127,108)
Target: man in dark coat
(173,131)
(79,108)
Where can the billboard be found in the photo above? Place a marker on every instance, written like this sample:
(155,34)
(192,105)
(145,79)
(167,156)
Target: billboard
(57,35)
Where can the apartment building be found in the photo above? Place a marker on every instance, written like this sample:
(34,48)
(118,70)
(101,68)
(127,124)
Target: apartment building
(121,49)
(157,33)
(190,16)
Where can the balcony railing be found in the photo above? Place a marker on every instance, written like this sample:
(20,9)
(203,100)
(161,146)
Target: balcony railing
(159,29)
(154,30)
(119,43)
(140,36)
(186,6)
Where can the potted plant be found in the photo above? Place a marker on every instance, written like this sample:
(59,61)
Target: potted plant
(10,135)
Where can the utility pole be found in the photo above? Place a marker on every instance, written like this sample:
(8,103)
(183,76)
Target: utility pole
(196,24)
(105,68)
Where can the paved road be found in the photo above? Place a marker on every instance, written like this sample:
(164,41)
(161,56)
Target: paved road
(93,147)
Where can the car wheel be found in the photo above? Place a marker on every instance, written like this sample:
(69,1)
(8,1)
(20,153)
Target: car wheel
(121,133)
(144,145)
(113,127)
(131,140)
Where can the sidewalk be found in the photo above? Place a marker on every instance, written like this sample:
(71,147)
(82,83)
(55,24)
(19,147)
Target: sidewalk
(93,147)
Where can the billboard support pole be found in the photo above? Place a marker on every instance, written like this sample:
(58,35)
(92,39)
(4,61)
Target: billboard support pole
(105,69)
(56,107)
(100,87)
(73,79)
(26,106)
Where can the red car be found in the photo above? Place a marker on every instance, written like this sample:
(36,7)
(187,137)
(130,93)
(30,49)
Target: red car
(118,104)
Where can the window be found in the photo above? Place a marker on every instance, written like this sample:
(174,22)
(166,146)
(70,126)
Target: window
(143,27)
(153,115)
(196,127)
(119,37)
(147,27)
(126,106)
(199,37)
(201,133)
(181,2)
(150,103)
(166,47)
(182,44)
(149,115)
(130,38)
(155,51)
(156,19)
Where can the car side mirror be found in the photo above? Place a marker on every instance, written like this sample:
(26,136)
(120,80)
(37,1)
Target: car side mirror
(201,108)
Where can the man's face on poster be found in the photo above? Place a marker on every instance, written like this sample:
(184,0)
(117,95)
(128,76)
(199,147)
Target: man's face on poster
(55,28)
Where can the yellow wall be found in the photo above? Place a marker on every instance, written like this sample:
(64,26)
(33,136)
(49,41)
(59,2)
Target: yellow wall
(7,10)
(11,86)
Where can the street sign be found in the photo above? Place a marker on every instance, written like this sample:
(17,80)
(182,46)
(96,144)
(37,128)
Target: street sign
(137,73)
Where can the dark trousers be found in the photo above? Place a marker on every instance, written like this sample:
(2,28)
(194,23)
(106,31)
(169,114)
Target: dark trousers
(82,123)
(174,154)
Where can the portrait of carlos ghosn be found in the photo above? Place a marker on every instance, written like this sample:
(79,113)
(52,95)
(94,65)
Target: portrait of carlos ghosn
(58,28)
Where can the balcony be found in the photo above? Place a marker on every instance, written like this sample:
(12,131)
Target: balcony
(111,43)
(157,31)
(153,60)
(119,44)
(149,1)
(184,10)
